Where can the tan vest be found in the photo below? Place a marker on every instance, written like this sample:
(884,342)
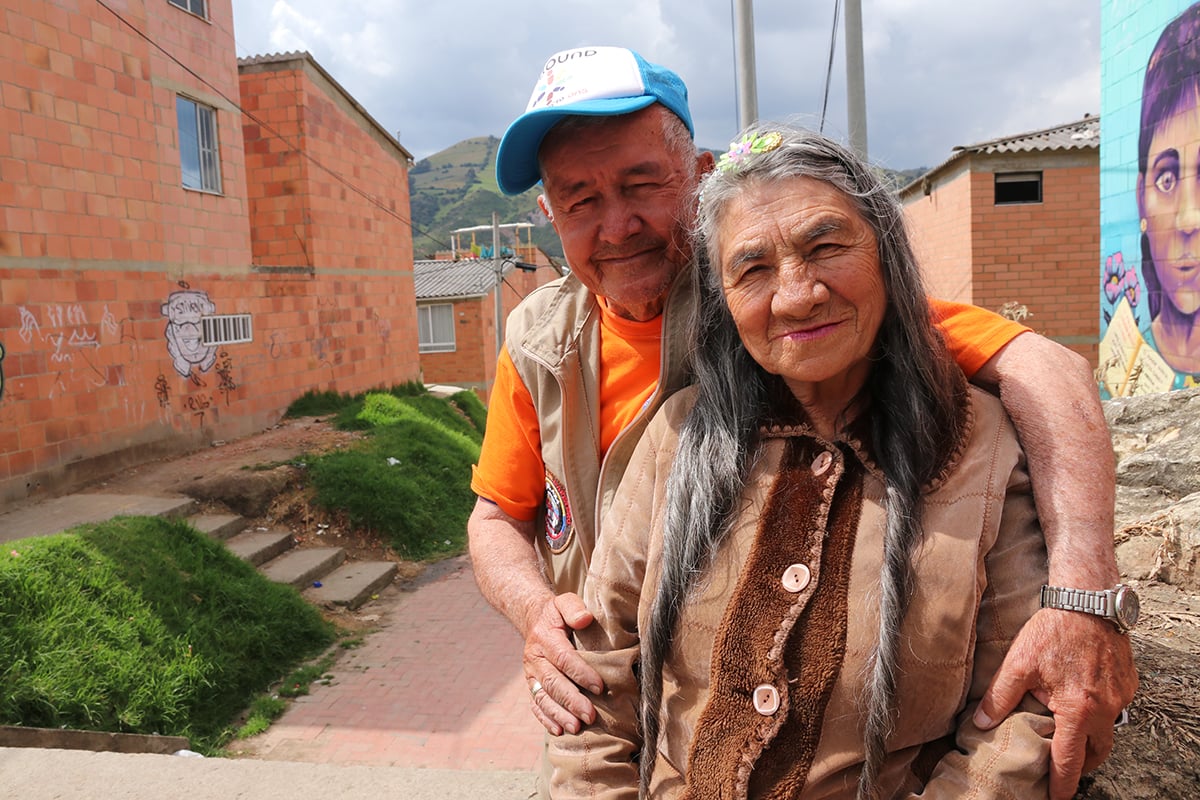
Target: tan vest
(553,338)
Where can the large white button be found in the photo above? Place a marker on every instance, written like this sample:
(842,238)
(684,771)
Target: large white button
(766,699)
(796,578)
(821,463)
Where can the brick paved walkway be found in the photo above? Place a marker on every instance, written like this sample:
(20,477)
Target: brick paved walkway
(439,685)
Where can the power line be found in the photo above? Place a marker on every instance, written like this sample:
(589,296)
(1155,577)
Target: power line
(337,177)
(837,7)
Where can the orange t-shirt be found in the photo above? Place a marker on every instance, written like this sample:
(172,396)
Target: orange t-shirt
(511,472)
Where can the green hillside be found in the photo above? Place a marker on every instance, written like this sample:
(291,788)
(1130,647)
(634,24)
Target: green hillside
(456,188)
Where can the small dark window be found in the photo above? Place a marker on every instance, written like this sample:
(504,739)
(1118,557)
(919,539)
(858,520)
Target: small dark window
(197,7)
(1018,187)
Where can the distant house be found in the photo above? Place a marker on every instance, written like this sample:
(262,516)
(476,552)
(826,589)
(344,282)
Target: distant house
(1013,225)
(456,313)
(187,243)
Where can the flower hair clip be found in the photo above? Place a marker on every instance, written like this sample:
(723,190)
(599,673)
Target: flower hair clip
(751,144)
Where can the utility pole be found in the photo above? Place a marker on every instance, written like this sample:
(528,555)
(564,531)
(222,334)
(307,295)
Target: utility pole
(856,89)
(498,265)
(743,47)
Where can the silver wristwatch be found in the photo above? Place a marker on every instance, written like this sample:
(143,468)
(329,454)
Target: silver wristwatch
(1119,604)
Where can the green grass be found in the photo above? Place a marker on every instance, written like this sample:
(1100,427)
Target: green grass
(410,480)
(268,707)
(470,404)
(143,625)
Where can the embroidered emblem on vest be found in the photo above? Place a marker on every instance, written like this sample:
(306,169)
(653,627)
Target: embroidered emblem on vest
(558,515)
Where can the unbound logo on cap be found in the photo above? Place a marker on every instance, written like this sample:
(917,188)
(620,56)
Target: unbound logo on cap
(592,73)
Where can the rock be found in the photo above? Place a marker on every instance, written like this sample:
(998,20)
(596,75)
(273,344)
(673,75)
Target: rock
(1138,557)
(1134,501)
(1156,441)
(246,492)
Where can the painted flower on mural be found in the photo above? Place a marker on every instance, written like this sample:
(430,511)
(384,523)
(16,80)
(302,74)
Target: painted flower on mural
(1131,286)
(1114,274)
(1120,281)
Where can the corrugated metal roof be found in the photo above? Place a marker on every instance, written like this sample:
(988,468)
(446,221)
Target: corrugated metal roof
(1082,134)
(468,277)
(1079,135)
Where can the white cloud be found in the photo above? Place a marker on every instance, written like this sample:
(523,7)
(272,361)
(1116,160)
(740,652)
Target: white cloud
(939,73)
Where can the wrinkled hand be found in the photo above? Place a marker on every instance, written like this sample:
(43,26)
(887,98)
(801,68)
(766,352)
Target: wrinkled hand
(1081,668)
(550,658)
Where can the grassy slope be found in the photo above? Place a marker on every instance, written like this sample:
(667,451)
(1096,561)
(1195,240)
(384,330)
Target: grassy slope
(409,481)
(143,625)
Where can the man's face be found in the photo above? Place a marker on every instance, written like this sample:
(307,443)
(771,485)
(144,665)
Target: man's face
(621,201)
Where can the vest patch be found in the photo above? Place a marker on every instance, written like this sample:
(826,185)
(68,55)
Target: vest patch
(558,515)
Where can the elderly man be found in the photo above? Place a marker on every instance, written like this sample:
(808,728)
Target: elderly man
(588,359)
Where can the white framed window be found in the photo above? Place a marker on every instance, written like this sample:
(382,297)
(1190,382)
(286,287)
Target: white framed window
(199,155)
(435,328)
(197,7)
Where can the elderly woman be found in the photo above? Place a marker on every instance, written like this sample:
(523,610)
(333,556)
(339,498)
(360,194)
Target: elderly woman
(821,552)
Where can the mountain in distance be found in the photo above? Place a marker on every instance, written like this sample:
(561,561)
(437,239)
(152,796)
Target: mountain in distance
(456,188)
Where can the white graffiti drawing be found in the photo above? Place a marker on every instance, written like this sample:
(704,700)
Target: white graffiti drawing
(185,338)
(108,323)
(83,338)
(29,325)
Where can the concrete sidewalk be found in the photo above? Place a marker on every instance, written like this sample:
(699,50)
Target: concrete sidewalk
(80,775)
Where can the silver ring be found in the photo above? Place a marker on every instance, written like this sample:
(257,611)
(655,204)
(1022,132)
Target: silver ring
(537,687)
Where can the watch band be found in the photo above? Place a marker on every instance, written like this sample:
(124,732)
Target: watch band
(1086,600)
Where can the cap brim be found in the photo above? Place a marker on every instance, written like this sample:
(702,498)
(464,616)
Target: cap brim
(517,156)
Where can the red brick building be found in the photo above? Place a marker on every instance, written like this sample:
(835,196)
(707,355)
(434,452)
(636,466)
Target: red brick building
(1016,222)
(456,313)
(165,282)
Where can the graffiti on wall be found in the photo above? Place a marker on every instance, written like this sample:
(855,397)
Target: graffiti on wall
(1150,208)
(73,340)
(185,337)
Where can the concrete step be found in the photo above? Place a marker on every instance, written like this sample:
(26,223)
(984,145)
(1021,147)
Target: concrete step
(301,567)
(60,513)
(259,547)
(352,584)
(219,526)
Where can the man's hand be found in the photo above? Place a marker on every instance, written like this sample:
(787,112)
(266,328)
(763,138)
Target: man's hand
(551,661)
(1081,668)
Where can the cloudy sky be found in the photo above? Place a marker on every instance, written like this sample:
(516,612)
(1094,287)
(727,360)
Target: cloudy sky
(939,73)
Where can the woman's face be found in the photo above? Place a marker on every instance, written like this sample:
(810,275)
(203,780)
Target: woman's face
(800,270)
(1169,197)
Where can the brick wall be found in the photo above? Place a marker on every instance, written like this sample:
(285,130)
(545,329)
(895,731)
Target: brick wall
(1038,255)
(1043,255)
(106,262)
(939,225)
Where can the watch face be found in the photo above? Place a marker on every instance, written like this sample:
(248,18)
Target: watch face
(1128,607)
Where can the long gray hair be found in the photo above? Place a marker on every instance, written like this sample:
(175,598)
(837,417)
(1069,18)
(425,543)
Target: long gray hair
(912,397)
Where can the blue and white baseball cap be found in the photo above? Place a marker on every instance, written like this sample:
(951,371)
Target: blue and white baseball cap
(588,81)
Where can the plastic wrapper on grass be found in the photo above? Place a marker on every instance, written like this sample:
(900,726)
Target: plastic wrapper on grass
(419,503)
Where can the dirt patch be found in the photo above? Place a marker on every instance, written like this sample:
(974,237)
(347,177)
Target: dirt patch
(1157,755)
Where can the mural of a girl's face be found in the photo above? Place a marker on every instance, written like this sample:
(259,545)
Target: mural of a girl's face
(1169,201)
